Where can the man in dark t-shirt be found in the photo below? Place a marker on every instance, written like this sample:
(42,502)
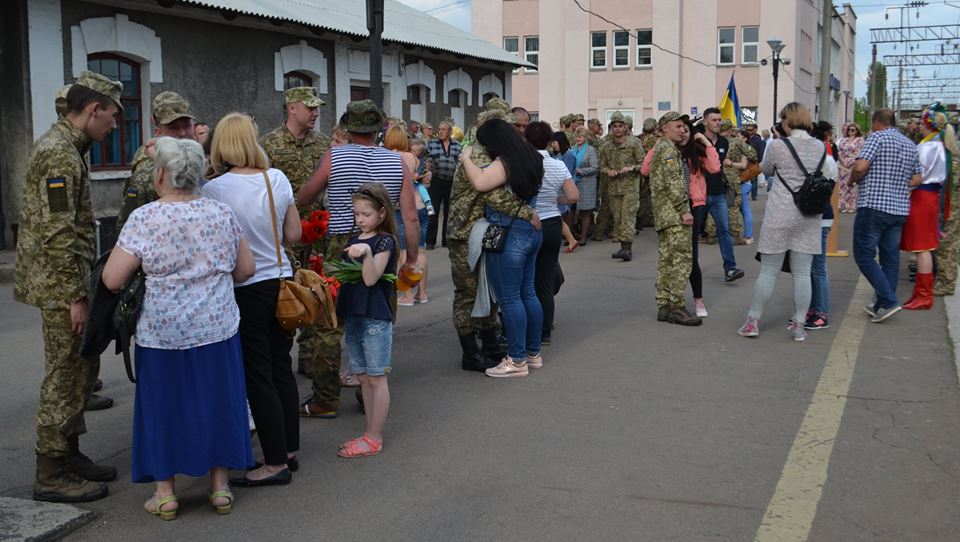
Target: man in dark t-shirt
(717,195)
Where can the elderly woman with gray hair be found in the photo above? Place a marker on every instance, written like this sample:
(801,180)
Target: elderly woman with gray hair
(190,408)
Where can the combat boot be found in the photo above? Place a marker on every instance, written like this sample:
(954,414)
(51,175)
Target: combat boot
(490,347)
(84,467)
(472,360)
(627,251)
(55,483)
(618,255)
(679,315)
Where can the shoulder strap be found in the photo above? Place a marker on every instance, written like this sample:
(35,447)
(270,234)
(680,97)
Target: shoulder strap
(273,220)
(793,151)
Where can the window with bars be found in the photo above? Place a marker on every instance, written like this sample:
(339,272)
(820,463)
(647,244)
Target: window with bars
(598,50)
(453,97)
(645,47)
(750,44)
(116,150)
(531,51)
(621,49)
(726,45)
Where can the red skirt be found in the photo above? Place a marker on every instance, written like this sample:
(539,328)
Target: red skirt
(921,230)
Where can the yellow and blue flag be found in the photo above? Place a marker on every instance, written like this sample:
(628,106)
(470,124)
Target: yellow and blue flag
(730,104)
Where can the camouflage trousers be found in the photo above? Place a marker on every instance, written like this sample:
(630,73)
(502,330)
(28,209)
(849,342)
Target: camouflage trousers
(323,348)
(465,291)
(68,381)
(734,218)
(645,210)
(948,256)
(604,217)
(673,267)
(623,208)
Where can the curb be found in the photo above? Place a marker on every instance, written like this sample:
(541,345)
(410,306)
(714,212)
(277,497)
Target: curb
(24,520)
(952,304)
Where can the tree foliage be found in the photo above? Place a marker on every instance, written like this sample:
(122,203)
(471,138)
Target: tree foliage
(877,95)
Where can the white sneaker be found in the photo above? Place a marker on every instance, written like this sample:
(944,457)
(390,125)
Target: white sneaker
(701,308)
(508,369)
(535,362)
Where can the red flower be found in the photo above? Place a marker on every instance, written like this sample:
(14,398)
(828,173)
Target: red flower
(314,228)
(334,286)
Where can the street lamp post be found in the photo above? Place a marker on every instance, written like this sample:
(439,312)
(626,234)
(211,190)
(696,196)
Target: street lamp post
(776,46)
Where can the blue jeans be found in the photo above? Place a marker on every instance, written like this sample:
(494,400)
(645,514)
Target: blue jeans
(746,210)
(369,343)
(717,207)
(511,275)
(754,187)
(819,280)
(402,230)
(875,231)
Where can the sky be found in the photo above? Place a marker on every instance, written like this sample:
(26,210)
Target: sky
(870,14)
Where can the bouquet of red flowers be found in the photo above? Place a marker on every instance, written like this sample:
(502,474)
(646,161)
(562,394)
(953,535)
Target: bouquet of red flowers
(314,227)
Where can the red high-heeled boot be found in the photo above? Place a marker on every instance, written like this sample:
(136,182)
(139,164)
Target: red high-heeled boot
(923,293)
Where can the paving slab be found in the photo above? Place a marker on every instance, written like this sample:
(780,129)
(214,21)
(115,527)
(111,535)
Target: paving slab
(23,520)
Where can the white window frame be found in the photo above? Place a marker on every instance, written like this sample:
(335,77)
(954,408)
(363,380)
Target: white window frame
(593,49)
(527,52)
(517,52)
(744,44)
(621,48)
(732,46)
(642,47)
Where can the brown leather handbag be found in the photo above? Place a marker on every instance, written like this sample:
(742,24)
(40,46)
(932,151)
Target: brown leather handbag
(752,170)
(297,305)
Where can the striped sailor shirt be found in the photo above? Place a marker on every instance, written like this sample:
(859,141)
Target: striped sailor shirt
(352,165)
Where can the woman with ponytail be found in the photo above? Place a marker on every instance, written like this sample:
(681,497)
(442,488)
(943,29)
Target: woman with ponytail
(920,233)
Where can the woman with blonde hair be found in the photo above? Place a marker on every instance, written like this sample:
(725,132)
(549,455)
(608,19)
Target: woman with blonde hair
(189,414)
(849,145)
(397,140)
(784,228)
(920,233)
(585,177)
(245,182)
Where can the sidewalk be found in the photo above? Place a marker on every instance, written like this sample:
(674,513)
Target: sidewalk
(7,259)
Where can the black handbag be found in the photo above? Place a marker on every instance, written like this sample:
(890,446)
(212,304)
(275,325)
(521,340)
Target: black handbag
(126,315)
(112,317)
(495,236)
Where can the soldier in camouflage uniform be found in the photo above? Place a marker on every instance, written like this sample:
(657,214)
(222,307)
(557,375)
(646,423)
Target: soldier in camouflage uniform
(948,252)
(363,121)
(55,249)
(296,149)
(596,132)
(467,205)
(604,218)
(172,117)
(673,220)
(739,155)
(645,211)
(620,162)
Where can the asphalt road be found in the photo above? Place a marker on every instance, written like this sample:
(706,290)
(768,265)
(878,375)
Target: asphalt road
(634,430)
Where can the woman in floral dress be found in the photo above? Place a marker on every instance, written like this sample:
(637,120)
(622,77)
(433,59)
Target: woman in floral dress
(849,146)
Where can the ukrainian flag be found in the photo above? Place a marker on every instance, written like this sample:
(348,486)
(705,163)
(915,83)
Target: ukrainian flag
(730,105)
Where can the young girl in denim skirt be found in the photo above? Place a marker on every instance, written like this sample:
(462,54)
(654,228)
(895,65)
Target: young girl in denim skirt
(367,313)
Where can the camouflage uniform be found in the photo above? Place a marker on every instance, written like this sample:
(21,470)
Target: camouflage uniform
(737,150)
(593,140)
(645,211)
(138,189)
(623,190)
(670,203)
(948,253)
(55,249)
(604,218)
(297,159)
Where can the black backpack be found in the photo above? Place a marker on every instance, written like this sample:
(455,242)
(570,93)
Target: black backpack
(816,191)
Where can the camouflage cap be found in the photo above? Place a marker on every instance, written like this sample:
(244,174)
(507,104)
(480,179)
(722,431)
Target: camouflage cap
(491,114)
(60,103)
(169,106)
(103,85)
(618,117)
(565,120)
(497,103)
(592,121)
(671,116)
(725,125)
(305,95)
(629,120)
(649,124)
(578,116)
(363,117)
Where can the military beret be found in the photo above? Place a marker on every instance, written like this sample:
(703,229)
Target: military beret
(103,85)
(305,95)
(169,106)
(363,117)
(671,116)
(649,124)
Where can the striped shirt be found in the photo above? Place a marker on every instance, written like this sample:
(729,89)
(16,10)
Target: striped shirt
(352,165)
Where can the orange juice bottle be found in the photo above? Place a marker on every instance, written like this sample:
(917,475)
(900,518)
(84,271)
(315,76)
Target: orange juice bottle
(409,277)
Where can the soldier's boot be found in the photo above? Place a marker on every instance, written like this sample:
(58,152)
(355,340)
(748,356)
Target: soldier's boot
(84,467)
(98,402)
(55,483)
(472,360)
(679,315)
(625,253)
(490,347)
(942,288)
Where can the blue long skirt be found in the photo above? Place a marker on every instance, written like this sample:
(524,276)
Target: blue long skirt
(190,411)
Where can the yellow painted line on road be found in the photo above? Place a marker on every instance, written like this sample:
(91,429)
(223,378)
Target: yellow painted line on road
(792,509)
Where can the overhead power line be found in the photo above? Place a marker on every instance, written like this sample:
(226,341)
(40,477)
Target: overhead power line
(915,33)
(931,59)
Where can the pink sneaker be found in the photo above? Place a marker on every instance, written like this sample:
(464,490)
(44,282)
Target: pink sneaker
(700,308)
(508,369)
(750,328)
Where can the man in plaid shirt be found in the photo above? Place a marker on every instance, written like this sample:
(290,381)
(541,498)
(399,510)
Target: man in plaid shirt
(444,155)
(887,163)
